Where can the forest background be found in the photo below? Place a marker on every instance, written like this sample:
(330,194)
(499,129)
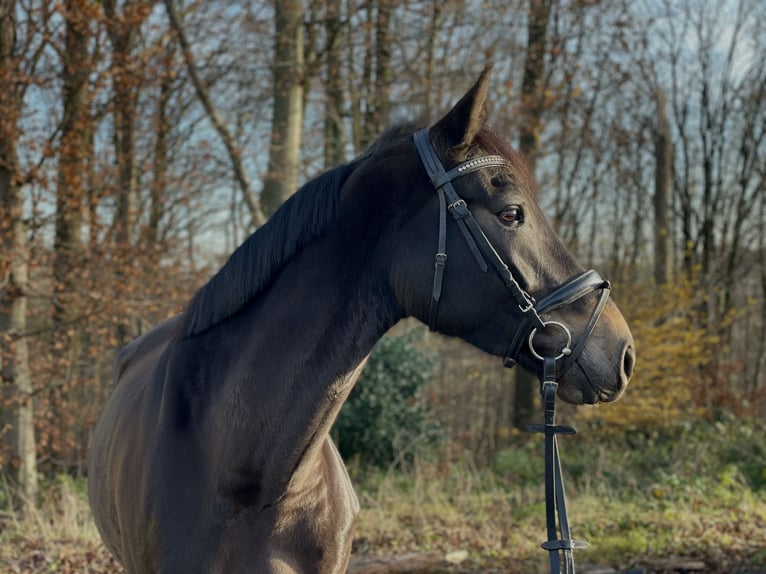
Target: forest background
(142,141)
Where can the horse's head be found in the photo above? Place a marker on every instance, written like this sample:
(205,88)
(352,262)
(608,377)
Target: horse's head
(502,256)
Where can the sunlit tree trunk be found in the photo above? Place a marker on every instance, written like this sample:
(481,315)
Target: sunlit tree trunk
(281,179)
(14,274)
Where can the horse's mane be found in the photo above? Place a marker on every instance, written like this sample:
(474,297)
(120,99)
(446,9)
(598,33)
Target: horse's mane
(250,269)
(304,216)
(253,265)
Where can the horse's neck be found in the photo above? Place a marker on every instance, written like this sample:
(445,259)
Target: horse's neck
(300,347)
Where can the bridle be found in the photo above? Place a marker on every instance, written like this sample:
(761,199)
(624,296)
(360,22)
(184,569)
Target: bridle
(530,325)
(486,255)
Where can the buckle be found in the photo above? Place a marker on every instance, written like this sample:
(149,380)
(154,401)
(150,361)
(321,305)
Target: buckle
(528,308)
(459,209)
(440,261)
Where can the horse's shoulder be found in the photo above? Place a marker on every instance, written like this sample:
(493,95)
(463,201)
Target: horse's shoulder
(149,343)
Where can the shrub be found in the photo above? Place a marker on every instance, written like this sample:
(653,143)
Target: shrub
(384,420)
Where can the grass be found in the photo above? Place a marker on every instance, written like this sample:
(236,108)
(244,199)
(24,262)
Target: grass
(503,524)
(62,512)
(57,536)
(694,491)
(700,492)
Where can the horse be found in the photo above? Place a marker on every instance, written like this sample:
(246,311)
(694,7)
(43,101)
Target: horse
(212,454)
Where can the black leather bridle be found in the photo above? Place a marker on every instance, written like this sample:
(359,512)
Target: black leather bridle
(530,324)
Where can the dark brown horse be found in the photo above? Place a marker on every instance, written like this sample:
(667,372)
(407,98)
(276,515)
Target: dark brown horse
(212,454)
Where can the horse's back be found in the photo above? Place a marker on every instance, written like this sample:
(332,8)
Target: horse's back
(122,443)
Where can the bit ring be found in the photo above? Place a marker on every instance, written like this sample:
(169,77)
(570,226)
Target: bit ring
(565,352)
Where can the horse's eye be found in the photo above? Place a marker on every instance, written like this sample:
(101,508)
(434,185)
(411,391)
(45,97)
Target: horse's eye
(512,215)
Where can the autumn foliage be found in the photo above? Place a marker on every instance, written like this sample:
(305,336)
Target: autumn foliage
(134,143)
(674,350)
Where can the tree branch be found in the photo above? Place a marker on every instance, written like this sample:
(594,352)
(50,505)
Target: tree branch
(233,149)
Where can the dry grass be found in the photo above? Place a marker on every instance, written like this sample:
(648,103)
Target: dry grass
(457,509)
(57,536)
(501,526)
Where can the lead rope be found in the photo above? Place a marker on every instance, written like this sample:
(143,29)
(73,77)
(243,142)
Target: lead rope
(555,498)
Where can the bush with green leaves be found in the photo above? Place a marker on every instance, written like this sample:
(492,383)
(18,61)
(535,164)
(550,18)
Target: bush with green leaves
(385,420)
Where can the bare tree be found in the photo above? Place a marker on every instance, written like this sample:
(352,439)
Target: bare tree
(232,147)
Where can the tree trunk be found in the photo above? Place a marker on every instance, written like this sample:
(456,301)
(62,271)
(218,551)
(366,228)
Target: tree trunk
(73,156)
(525,399)
(359,85)
(760,364)
(123,30)
(14,265)
(375,82)
(431,55)
(532,100)
(161,156)
(335,141)
(383,74)
(663,174)
(287,120)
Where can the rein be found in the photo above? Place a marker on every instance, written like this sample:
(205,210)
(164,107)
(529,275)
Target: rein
(555,497)
(530,325)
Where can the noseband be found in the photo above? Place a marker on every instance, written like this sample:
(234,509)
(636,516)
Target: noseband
(530,324)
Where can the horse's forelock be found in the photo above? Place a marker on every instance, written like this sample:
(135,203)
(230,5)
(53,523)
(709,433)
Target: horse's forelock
(493,144)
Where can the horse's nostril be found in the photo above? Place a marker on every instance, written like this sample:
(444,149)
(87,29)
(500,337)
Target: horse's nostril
(628,361)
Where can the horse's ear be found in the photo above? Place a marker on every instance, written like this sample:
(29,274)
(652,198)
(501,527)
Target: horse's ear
(459,127)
